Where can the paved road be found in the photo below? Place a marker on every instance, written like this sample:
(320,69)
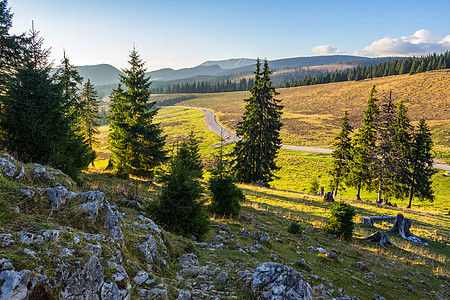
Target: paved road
(231,137)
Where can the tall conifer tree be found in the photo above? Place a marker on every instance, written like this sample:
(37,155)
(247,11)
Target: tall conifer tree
(421,164)
(364,148)
(136,141)
(88,114)
(70,79)
(342,154)
(260,131)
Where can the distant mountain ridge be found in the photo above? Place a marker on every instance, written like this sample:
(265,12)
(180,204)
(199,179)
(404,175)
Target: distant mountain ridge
(104,74)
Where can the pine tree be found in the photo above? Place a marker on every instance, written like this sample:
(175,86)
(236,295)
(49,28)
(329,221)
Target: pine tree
(88,114)
(225,195)
(178,208)
(421,164)
(402,147)
(387,163)
(364,147)
(260,131)
(70,79)
(136,142)
(35,121)
(189,154)
(342,154)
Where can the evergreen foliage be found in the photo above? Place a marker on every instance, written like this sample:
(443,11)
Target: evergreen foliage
(35,119)
(260,132)
(178,208)
(225,195)
(70,79)
(341,220)
(364,148)
(136,142)
(342,154)
(189,154)
(387,159)
(314,186)
(88,113)
(421,164)
(294,228)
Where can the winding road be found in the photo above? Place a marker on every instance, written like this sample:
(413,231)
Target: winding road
(230,137)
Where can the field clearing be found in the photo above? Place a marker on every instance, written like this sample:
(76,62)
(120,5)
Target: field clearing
(312,114)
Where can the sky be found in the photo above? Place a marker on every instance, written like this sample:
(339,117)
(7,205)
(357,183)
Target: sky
(179,34)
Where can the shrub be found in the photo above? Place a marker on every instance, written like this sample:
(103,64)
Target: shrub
(178,208)
(314,186)
(225,196)
(341,220)
(294,228)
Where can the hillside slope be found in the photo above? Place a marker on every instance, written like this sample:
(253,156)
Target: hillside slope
(312,113)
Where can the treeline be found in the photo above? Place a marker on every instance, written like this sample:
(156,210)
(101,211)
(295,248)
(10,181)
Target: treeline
(205,87)
(411,65)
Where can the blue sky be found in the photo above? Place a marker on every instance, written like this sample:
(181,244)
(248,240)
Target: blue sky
(180,34)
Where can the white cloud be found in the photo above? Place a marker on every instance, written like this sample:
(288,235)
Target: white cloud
(325,49)
(422,42)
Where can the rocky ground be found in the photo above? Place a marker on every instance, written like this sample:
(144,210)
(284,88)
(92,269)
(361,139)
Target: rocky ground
(58,241)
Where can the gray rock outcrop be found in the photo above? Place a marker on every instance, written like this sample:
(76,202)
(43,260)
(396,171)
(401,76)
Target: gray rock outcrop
(8,165)
(42,173)
(57,195)
(16,285)
(85,282)
(279,282)
(112,226)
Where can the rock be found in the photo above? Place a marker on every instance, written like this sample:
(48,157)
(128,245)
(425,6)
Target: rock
(223,276)
(184,295)
(67,252)
(410,288)
(261,236)
(112,226)
(97,196)
(361,265)
(29,252)
(92,208)
(76,238)
(6,239)
(16,285)
(5,265)
(140,277)
(51,235)
(301,263)
(321,250)
(154,293)
(130,203)
(85,283)
(221,226)
(277,281)
(331,254)
(21,173)
(7,166)
(26,192)
(110,291)
(95,249)
(378,297)
(188,260)
(149,248)
(312,249)
(94,237)
(42,173)
(371,276)
(26,238)
(57,195)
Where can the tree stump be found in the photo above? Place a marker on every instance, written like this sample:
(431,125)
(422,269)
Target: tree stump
(328,197)
(321,191)
(380,237)
(402,226)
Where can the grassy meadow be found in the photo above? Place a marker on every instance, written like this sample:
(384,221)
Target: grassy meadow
(312,114)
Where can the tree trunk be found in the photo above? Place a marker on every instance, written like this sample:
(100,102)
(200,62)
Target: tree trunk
(401,226)
(336,189)
(380,191)
(358,193)
(411,194)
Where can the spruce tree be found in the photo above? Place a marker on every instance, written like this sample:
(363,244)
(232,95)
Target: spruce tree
(70,79)
(260,131)
(402,147)
(189,153)
(34,118)
(421,164)
(88,114)
(178,207)
(364,148)
(136,141)
(386,161)
(342,154)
